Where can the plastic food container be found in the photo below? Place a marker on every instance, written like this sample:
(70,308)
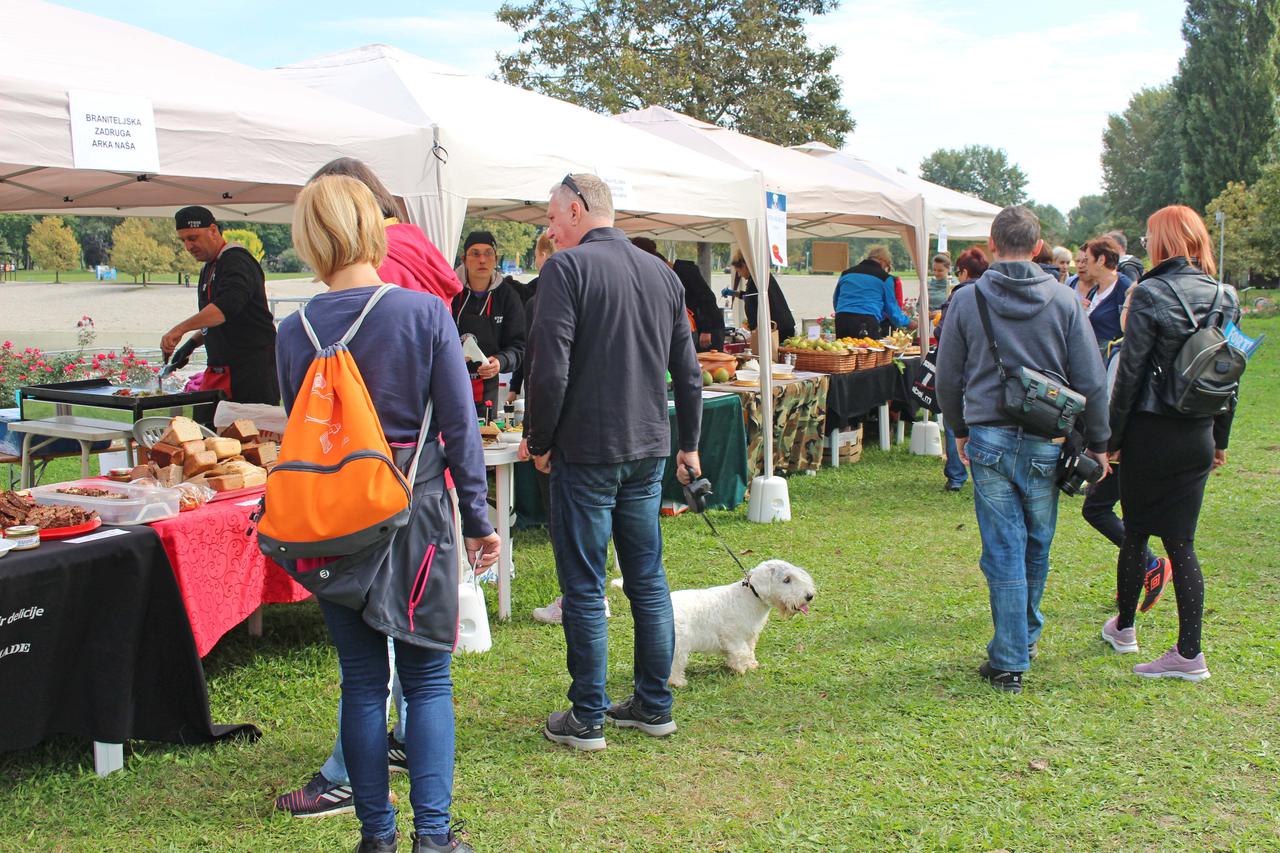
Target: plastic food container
(6,545)
(139,505)
(22,537)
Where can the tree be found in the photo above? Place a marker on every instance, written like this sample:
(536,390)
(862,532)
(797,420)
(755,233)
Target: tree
(978,170)
(14,228)
(1245,240)
(135,252)
(1142,156)
(1085,221)
(743,64)
(94,235)
(53,246)
(180,260)
(1226,91)
(1266,235)
(248,239)
(276,237)
(514,239)
(1053,225)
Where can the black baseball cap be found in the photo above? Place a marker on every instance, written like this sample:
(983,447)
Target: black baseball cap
(479,237)
(193,217)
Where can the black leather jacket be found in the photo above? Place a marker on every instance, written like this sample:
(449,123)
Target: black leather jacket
(1154,332)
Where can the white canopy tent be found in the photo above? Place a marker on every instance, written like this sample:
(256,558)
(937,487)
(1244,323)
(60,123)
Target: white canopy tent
(236,139)
(499,150)
(965,217)
(823,200)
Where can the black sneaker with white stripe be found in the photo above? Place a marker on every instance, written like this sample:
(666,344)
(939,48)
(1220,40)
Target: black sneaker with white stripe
(318,798)
(564,728)
(397,761)
(630,714)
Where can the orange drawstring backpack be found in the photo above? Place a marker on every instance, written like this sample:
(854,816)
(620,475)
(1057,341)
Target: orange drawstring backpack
(335,490)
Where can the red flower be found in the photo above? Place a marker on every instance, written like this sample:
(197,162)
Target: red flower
(48,370)
(142,361)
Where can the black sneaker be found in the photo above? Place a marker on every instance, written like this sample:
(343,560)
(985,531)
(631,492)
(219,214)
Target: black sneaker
(397,761)
(1001,679)
(453,844)
(630,715)
(564,728)
(954,487)
(318,798)
(373,845)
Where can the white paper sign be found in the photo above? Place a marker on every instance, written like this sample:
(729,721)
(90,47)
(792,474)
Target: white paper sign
(94,537)
(942,237)
(111,131)
(814,332)
(776,218)
(619,188)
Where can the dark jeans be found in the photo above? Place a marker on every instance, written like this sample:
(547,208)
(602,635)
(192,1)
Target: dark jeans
(1015,497)
(1100,511)
(954,469)
(428,731)
(857,326)
(590,503)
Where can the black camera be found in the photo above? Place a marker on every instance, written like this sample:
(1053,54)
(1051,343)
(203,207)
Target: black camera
(1077,471)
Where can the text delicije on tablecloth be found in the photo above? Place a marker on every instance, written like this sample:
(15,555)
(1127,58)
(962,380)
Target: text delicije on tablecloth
(32,612)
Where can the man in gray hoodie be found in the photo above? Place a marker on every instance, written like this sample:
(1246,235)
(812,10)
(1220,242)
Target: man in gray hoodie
(1037,324)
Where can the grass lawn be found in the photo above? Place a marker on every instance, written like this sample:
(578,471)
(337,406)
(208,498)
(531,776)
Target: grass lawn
(865,728)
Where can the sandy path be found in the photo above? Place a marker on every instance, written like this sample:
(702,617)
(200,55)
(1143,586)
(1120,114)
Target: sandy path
(45,315)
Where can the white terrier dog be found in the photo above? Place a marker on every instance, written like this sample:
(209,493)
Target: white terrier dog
(728,619)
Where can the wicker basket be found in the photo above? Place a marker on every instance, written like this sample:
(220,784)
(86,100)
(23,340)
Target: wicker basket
(866,359)
(822,362)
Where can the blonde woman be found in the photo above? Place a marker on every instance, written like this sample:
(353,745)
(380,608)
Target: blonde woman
(409,355)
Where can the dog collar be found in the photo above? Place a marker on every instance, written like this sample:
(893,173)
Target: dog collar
(747,583)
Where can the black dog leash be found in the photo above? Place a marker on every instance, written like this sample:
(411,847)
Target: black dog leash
(695,495)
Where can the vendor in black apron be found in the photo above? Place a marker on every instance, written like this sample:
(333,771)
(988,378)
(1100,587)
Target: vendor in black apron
(234,323)
(491,310)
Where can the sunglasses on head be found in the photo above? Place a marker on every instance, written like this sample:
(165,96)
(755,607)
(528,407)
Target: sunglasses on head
(573,187)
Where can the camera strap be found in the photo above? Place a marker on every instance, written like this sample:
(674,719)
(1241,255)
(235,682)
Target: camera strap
(984,314)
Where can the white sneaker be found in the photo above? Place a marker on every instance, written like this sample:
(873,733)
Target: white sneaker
(553,613)
(549,615)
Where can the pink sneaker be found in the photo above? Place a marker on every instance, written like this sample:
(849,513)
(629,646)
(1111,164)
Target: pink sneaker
(1125,642)
(1173,665)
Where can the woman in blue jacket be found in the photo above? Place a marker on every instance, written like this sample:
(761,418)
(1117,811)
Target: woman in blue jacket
(865,303)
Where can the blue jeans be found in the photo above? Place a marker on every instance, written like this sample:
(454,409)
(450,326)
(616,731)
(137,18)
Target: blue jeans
(335,767)
(954,470)
(590,503)
(1016,500)
(428,692)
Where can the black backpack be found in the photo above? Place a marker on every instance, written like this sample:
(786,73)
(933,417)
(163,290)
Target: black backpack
(1204,377)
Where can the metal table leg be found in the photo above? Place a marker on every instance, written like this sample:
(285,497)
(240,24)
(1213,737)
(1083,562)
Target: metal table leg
(884,426)
(502,475)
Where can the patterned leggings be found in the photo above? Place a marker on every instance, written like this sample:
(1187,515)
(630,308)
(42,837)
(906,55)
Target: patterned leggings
(1188,586)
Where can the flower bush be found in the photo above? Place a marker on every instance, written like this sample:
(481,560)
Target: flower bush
(31,366)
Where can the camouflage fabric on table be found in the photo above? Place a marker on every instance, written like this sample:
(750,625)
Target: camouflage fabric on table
(799,421)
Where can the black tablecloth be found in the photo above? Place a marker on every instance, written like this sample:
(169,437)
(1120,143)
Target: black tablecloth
(852,396)
(94,641)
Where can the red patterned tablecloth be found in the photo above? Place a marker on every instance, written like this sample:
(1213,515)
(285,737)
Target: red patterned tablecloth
(221,573)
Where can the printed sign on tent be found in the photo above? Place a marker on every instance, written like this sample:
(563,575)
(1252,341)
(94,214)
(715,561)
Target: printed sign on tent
(619,188)
(114,132)
(775,214)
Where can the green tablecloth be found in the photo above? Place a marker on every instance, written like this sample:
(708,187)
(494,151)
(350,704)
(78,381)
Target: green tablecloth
(722,449)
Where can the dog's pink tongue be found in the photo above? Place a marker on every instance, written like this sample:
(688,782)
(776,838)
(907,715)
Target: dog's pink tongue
(804,608)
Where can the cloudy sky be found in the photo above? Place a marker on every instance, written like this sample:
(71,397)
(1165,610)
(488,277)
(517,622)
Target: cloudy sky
(1037,78)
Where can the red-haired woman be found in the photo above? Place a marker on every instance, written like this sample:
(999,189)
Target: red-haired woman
(1166,456)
